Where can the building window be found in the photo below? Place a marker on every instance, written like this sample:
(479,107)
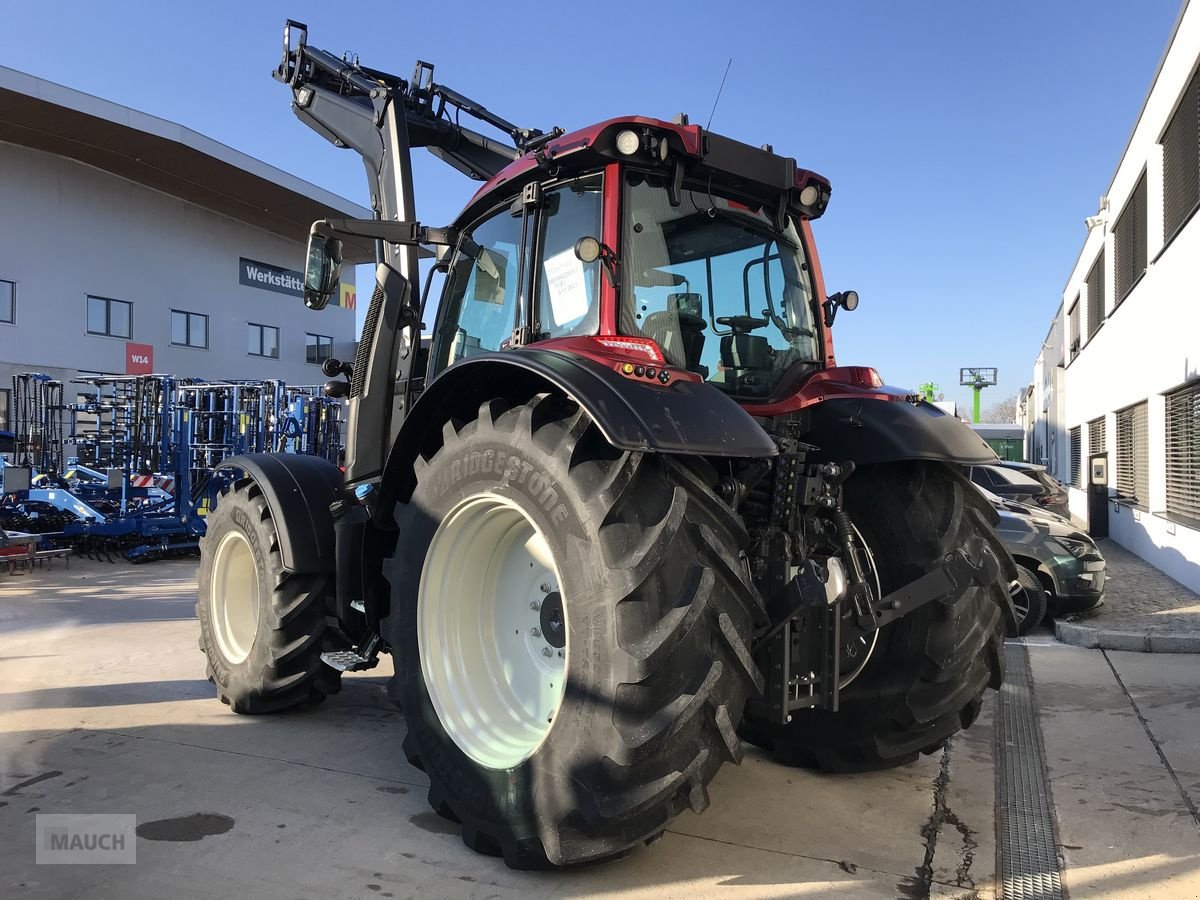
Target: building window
(8,302)
(1076,456)
(1133,469)
(1096,443)
(1095,292)
(5,394)
(189,329)
(1181,161)
(317,348)
(263,340)
(1073,317)
(1183,453)
(112,318)
(1129,241)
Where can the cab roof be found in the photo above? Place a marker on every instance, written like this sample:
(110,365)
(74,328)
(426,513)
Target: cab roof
(755,171)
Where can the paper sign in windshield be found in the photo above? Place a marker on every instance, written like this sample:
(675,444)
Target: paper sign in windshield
(567,285)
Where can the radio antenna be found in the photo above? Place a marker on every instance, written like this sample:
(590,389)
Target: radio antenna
(721,88)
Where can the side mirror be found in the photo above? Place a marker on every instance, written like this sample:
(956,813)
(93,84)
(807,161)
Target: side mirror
(847,300)
(322,270)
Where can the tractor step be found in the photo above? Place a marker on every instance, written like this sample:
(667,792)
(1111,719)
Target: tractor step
(354,660)
(347,660)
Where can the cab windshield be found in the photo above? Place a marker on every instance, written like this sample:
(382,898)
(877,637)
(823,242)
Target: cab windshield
(722,291)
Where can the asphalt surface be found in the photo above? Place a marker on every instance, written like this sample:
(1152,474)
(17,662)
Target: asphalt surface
(104,709)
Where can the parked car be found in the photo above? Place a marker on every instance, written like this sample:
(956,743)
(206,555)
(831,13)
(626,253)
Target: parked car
(1014,485)
(1055,498)
(1059,567)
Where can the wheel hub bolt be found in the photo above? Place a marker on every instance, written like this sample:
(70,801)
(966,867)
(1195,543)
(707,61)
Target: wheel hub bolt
(535,632)
(546,651)
(545,588)
(535,606)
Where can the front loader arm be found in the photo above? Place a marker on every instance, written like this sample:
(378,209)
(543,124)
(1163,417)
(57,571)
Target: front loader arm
(347,103)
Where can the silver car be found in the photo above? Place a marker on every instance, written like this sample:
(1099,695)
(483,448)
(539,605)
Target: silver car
(1060,567)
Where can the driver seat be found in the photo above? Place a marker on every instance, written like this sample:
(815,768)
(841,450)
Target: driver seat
(679,332)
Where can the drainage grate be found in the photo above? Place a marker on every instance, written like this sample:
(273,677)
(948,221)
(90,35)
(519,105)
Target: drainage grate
(1028,842)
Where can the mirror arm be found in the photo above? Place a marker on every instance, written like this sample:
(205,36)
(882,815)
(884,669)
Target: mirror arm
(830,308)
(610,264)
(382,230)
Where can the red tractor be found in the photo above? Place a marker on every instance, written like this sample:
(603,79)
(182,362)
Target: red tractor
(624,510)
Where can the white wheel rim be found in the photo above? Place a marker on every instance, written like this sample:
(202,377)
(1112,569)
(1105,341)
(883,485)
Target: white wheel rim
(495,679)
(234,598)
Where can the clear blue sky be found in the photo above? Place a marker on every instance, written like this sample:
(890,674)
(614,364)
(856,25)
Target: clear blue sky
(966,141)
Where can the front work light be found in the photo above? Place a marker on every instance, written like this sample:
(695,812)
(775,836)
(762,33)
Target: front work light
(628,142)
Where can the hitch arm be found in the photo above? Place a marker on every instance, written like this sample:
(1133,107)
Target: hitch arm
(954,574)
(800,653)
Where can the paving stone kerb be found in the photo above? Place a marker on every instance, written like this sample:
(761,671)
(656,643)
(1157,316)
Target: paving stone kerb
(1144,610)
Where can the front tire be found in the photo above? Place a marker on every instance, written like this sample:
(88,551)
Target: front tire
(927,675)
(262,627)
(1030,602)
(656,617)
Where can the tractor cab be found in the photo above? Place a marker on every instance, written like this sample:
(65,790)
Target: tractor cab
(660,257)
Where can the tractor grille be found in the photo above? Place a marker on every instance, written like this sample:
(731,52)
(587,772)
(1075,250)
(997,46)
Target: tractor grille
(363,355)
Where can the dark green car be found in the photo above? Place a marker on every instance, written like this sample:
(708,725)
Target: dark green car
(1059,566)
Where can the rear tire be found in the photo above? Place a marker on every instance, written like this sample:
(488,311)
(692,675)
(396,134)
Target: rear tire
(928,673)
(262,628)
(657,613)
(1030,602)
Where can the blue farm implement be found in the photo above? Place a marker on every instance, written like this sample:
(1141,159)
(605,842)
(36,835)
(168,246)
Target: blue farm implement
(129,466)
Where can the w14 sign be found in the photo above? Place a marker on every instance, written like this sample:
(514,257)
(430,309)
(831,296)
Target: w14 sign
(139,358)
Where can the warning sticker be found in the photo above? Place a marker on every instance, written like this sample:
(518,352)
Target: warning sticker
(567,286)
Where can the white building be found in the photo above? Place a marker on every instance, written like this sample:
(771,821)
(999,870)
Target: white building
(1119,371)
(130,245)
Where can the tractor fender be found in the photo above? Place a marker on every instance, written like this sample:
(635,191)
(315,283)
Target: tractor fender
(298,490)
(686,417)
(880,431)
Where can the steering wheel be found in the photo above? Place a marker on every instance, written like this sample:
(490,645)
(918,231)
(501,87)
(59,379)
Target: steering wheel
(742,324)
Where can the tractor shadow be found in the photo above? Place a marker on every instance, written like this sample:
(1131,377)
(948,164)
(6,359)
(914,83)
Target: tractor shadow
(298,784)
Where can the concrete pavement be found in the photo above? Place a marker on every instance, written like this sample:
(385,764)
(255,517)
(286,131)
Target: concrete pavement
(104,708)
(1122,736)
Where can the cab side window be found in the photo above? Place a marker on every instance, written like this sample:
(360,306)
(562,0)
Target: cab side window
(569,289)
(481,293)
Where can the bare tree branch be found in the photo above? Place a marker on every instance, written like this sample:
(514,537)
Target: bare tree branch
(1004,412)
